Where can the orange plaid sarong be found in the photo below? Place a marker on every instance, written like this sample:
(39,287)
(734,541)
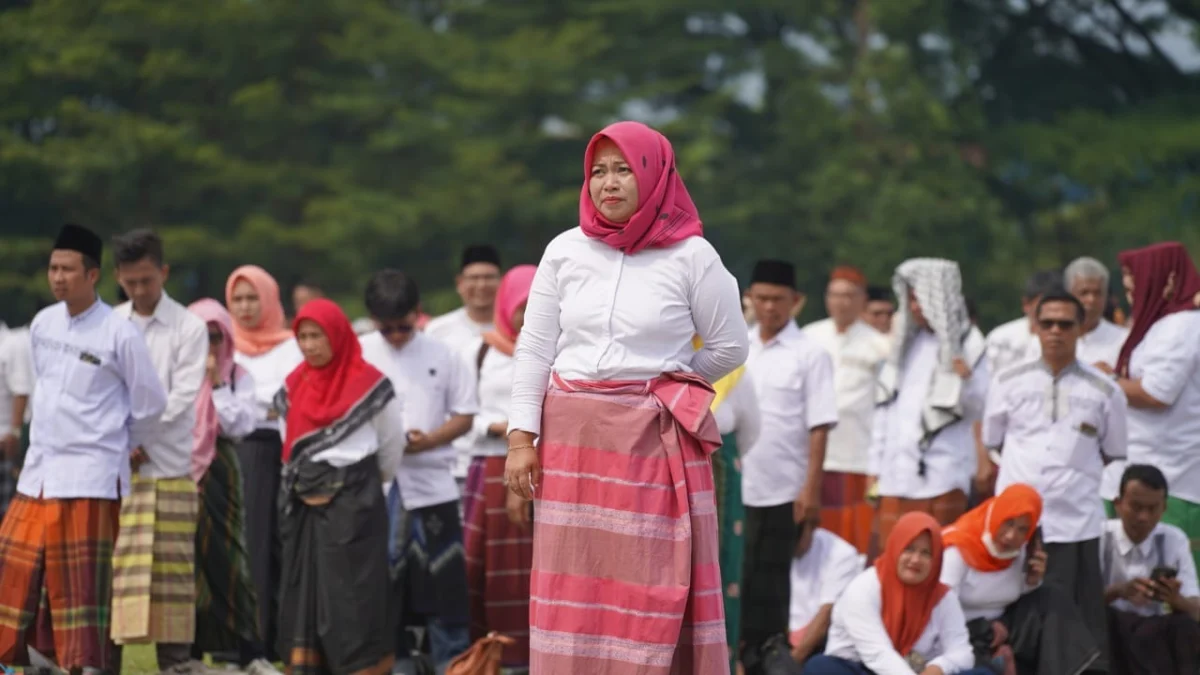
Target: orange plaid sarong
(844,509)
(944,508)
(65,547)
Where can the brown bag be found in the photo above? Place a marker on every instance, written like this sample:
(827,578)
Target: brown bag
(483,658)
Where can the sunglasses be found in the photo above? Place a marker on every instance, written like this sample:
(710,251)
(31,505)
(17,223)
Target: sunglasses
(394,329)
(216,338)
(1061,324)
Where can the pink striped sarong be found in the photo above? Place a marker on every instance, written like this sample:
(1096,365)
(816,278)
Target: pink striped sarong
(625,578)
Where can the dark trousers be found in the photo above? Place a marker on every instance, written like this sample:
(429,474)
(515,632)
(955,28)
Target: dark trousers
(766,579)
(831,665)
(1075,569)
(1148,645)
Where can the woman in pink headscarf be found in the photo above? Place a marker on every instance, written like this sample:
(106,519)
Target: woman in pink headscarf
(625,571)
(499,530)
(226,608)
(266,348)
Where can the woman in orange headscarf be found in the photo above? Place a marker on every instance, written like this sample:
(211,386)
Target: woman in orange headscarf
(897,618)
(995,562)
(265,348)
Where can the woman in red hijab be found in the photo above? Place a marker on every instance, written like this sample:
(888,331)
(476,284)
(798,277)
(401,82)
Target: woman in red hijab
(499,527)
(343,436)
(1159,370)
(897,618)
(625,570)
(995,563)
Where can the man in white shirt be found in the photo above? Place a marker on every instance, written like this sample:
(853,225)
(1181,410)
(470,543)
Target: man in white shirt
(1101,339)
(1015,342)
(880,309)
(440,398)
(782,471)
(858,351)
(930,392)
(477,282)
(1056,422)
(1150,581)
(824,566)
(96,396)
(16,384)
(161,512)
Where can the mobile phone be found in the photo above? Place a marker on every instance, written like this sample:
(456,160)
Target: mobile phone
(1161,573)
(1034,545)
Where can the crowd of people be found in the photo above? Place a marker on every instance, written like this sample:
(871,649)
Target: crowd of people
(614,461)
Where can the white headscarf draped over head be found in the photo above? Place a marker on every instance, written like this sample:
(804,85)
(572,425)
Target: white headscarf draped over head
(937,285)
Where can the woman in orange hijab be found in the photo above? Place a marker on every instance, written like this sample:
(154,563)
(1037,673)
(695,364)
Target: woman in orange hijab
(897,618)
(994,561)
(265,348)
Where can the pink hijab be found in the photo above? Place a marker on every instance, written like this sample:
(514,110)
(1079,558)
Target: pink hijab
(513,292)
(665,215)
(208,426)
(271,329)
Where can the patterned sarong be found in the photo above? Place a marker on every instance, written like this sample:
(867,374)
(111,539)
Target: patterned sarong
(625,557)
(226,606)
(154,575)
(499,557)
(844,510)
(731,535)
(944,508)
(65,546)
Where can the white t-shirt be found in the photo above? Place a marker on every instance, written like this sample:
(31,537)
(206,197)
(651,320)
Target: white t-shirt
(857,356)
(1102,345)
(793,378)
(821,575)
(434,384)
(461,334)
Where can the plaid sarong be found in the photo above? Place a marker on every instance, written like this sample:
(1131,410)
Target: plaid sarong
(844,510)
(154,575)
(226,604)
(944,508)
(499,557)
(64,548)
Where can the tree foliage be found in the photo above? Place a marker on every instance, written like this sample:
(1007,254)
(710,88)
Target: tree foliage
(329,139)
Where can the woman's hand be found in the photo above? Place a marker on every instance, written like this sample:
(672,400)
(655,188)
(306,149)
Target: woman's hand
(210,366)
(522,471)
(999,634)
(1036,568)
(933,670)
(518,510)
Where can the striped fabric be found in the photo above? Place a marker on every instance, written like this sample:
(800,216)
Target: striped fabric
(154,576)
(844,509)
(499,556)
(625,569)
(731,533)
(70,542)
(944,508)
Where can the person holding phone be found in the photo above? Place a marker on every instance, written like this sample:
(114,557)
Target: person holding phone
(1151,587)
(995,560)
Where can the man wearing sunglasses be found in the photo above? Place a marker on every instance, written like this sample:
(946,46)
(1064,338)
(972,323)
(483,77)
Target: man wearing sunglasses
(1058,421)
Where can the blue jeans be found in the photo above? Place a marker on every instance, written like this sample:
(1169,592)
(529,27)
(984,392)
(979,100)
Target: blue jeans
(832,665)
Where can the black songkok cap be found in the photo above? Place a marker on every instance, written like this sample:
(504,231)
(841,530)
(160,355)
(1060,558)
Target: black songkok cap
(79,238)
(879,294)
(480,253)
(776,272)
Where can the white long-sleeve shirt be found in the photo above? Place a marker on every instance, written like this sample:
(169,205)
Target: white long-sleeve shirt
(178,344)
(595,313)
(269,371)
(495,397)
(97,396)
(984,595)
(237,407)
(857,634)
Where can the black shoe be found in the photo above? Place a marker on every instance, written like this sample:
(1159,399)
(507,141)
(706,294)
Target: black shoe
(777,659)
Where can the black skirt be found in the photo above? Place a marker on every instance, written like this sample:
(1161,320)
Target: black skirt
(259,457)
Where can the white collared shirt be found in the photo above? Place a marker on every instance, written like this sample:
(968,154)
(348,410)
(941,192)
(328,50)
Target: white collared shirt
(1010,344)
(1101,345)
(495,397)
(857,356)
(857,632)
(1055,433)
(793,380)
(895,453)
(821,575)
(269,371)
(462,335)
(178,344)
(984,595)
(16,375)
(738,414)
(97,396)
(595,313)
(236,406)
(1167,361)
(435,384)
(1122,560)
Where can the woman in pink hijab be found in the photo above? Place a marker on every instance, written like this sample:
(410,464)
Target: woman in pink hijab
(265,347)
(226,609)
(498,528)
(615,452)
